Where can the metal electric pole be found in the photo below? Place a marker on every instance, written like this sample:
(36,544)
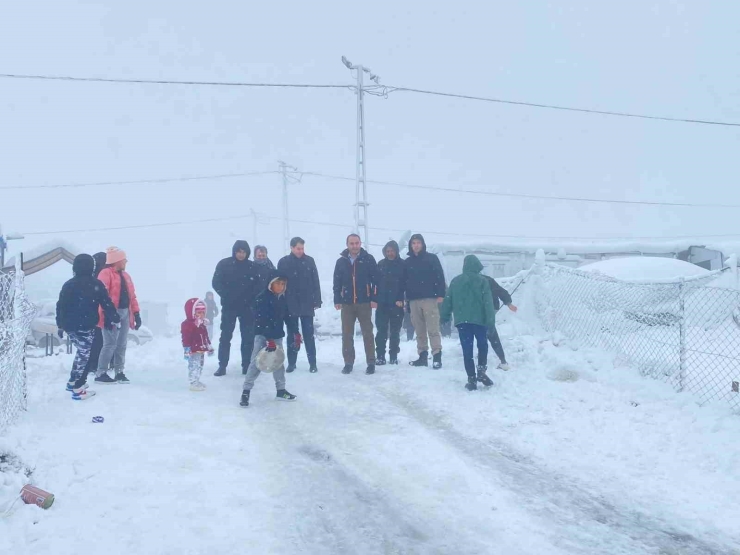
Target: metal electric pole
(361,217)
(286,222)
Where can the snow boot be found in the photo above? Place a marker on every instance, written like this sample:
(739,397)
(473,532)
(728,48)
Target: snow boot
(105,379)
(245,399)
(197,386)
(437,360)
(347,369)
(380,361)
(313,368)
(504,366)
(122,379)
(370,369)
(393,360)
(483,377)
(221,371)
(472,384)
(290,368)
(423,359)
(283,395)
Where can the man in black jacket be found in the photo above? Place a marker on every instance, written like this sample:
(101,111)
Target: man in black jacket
(500,295)
(425,290)
(355,276)
(389,296)
(237,281)
(304,298)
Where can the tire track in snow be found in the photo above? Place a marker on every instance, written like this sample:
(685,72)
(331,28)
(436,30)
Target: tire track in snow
(586,517)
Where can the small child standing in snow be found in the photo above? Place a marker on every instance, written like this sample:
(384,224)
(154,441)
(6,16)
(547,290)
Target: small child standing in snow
(195,341)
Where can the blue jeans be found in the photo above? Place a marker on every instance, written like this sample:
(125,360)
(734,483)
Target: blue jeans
(308,338)
(469,333)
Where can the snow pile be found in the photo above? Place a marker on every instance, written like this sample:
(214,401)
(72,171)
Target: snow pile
(646,269)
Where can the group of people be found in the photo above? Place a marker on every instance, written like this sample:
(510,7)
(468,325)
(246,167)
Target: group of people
(98,306)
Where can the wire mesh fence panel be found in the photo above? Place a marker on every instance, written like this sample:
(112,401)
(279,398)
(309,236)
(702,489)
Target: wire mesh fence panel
(685,333)
(16,313)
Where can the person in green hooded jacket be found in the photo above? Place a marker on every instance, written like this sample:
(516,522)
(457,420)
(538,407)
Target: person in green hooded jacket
(470,300)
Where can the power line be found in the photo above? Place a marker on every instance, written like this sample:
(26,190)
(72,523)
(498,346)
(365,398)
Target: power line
(171,82)
(140,181)
(563,108)
(527,196)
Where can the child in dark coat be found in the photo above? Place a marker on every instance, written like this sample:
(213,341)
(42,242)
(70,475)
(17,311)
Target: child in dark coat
(195,341)
(77,315)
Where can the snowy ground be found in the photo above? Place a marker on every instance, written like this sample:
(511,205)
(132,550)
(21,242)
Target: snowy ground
(564,455)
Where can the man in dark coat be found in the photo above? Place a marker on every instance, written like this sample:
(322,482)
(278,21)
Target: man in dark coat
(304,298)
(425,290)
(389,296)
(237,280)
(500,295)
(355,277)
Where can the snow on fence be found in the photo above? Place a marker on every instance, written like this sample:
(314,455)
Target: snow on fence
(16,313)
(686,333)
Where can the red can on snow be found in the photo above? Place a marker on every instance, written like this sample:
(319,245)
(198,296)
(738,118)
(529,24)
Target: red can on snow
(32,495)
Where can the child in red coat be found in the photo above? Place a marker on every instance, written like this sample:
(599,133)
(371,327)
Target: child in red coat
(195,341)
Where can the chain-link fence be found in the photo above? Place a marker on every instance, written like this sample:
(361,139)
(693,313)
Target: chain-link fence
(16,313)
(686,333)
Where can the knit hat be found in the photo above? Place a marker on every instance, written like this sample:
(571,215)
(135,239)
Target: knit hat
(114,255)
(199,305)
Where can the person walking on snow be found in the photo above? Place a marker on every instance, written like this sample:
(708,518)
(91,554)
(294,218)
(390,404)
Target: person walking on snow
(303,298)
(389,296)
(425,290)
(195,341)
(260,257)
(271,312)
(211,313)
(355,277)
(237,280)
(77,314)
(500,295)
(470,300)
(121,289)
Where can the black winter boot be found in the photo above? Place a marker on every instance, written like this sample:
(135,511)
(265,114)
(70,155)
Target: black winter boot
(370,369)
(220,372)
(380,361)
(290,368)
(437,360)
(471,385)
(245,399)
(393,360)
(423,359)
(313,369)
(347,369)
(483,377)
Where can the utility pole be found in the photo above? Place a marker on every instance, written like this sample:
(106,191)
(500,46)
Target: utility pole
(286,222)
(361,204)
(257,219)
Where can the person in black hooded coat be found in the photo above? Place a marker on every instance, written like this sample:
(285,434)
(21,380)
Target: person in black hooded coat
(238,281)
(389,294)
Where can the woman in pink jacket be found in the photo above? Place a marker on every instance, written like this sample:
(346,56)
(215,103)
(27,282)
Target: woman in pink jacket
(115,336)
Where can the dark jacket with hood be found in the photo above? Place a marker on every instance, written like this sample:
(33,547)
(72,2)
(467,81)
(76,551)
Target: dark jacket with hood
(355,283)
(469,297)
(238,282)
(80,298)
(500,295)
(100,259)
(304,294)
(391,278)
(271,310)
(193,335)
(425,278)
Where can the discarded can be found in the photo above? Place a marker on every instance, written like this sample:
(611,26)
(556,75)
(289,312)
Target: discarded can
(98,419)
(32,495)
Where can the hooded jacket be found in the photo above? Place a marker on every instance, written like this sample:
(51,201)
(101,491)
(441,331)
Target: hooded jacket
(112,281)
(355,283)
(193,335)
(271,310)
(304,294)
(469,297)
(81,297)
(425,278)
(238,282)
(500,295)
(391,278)
(100,262)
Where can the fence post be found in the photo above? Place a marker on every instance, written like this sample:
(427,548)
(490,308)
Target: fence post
(682,334)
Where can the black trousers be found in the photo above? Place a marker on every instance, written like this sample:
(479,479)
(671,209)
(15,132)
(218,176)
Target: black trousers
(495,340)
(229,316)
(388,319)
(309,340)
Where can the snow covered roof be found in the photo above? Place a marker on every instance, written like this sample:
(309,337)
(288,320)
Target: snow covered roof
(646,268)
(576,246)
(43,256)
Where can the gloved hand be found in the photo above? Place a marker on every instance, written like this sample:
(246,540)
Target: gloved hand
(297,341)
(211,352)
(186,352)
(110,324)
(137,320)
(271,346)
(60,333)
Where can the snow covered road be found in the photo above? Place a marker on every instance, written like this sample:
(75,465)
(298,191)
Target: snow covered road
(401,462)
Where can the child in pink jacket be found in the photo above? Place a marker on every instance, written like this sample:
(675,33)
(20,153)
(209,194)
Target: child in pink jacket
(195,341)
